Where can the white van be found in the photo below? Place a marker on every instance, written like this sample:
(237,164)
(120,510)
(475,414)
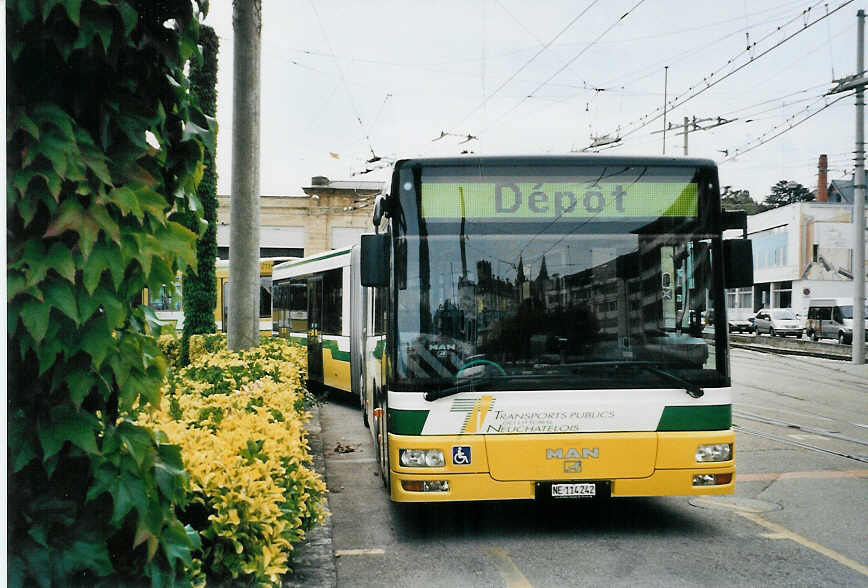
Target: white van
(832,318)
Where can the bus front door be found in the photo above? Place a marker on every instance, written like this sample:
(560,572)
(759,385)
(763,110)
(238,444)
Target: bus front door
(314,334)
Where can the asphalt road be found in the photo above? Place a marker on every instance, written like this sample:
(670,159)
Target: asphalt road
(798,517)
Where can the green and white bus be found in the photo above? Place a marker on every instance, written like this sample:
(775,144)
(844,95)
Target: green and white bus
(311,305)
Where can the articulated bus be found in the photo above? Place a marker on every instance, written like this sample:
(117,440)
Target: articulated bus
(531,327)
(311,308)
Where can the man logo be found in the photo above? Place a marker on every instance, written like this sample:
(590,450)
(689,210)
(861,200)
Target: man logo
(572,458)
(573,453)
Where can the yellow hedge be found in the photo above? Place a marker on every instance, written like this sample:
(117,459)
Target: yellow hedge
(239,418)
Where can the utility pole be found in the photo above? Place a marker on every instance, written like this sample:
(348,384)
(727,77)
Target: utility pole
(665,100)
(243,328)
(859,203)
(685,136)
(858,82)
(695,125)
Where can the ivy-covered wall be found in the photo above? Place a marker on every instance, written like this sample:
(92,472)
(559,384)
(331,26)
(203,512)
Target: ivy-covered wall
(200,283)
(104,148)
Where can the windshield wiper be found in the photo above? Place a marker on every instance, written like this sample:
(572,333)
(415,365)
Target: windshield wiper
(693,390)
(467,385)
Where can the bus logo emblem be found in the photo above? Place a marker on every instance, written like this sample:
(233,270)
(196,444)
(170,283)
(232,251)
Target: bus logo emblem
(461,455)
(475,410)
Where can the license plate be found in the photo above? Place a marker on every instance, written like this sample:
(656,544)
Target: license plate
(574,490)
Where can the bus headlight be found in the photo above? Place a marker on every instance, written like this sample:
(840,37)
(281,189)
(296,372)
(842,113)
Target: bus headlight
(421,458)
(714,452)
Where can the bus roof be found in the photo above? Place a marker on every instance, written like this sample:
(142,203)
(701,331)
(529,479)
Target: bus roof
(569,159)
(335,254)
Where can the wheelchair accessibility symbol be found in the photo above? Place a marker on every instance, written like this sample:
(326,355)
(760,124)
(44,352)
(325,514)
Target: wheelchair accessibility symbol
(461,455)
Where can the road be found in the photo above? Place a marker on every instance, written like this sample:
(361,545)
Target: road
(798,517)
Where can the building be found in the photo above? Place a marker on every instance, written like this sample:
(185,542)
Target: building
(801,251)
(330,215)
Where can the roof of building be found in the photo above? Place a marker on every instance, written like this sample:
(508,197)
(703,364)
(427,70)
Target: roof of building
(321,185)
(841,191)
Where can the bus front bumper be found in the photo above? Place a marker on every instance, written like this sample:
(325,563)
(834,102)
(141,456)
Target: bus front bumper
(674,473)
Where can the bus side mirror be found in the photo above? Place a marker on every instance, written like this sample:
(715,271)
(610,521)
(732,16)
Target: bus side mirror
(738,263)
(374,260)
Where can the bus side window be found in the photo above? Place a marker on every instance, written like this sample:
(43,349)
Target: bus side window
(332,301)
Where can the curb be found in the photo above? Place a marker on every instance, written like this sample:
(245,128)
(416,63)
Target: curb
(313,562)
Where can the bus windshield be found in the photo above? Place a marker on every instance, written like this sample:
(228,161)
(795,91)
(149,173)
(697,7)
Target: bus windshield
(568,290)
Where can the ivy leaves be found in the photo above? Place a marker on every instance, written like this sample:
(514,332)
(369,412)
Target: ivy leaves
(90,222)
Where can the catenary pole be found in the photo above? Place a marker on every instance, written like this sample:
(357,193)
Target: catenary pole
(243,327)
(859,204)
(665,99)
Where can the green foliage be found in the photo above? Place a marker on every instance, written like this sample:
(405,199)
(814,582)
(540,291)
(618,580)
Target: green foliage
(170,347)
(200,283)
(104,149)
(787,192)
(739,200)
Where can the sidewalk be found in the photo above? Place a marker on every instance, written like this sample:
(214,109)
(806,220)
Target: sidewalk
(314,560)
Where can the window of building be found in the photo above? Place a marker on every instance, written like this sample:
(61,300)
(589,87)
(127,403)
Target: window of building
(745,297)
(783,295)
(332,283)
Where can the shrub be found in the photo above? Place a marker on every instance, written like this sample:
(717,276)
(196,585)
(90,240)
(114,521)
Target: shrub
(202,344)
(170,346)
(239,419)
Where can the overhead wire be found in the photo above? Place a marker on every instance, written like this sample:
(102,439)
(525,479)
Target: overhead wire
(742,151)
(571,61)
(529,61)
(674,103)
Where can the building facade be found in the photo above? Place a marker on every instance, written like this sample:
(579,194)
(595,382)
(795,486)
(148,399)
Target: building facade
(329,215)
(801,251)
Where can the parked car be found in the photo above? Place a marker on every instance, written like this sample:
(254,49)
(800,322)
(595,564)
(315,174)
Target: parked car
(833,319)
(740,325)
(778,321)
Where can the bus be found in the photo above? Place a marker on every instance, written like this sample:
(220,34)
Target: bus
(532,328)
(312,306)
(169,308)
(265,293)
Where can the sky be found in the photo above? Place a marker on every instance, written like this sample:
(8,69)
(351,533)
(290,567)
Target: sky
(344,80)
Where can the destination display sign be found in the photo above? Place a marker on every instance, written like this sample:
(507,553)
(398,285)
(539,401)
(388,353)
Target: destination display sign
(558,200)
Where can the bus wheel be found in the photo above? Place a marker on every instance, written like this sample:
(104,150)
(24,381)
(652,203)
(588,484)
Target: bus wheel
(814,336)
(842,338)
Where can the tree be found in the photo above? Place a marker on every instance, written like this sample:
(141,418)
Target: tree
(739,200)
(103,152)
(787,192)
(243,328)
(200,283)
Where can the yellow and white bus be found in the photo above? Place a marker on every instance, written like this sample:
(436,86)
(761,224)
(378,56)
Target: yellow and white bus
(530,328)
(266,265)
(311,305)
(169,308)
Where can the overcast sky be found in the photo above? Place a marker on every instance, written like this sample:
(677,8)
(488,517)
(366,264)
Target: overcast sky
(342,79)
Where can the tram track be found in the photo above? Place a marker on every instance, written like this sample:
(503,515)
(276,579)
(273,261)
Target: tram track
(798,427)
(802,444)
